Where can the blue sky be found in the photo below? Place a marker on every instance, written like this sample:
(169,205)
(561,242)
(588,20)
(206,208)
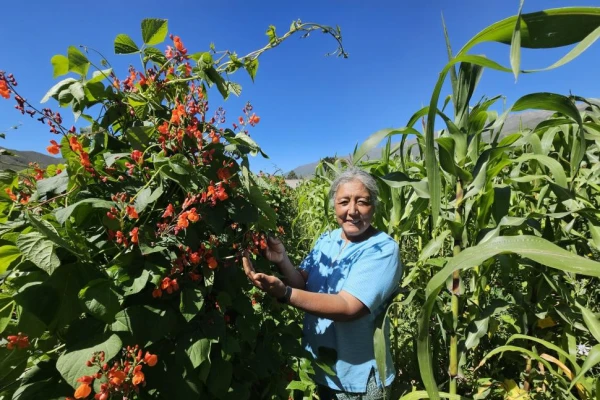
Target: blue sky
(311,106)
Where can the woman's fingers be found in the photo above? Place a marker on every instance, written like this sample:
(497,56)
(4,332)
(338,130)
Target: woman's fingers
(248,268)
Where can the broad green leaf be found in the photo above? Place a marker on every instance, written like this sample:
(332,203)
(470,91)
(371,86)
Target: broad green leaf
(60,65)
(125,45)
(549,345)
(145,323)
(100,300)
(154,31)
(46,228)
(140,136)
(591,321)
(591,360)
(98,76)
(191,303)
(39,299)
(199,351)
(39,250)
(12,365)
(257,198)
(72,364)
(78,62)
(219,378)
(7,305)
(62,214)
(252,67)
(111,158)
(8,254)
(57,88)
(146,197)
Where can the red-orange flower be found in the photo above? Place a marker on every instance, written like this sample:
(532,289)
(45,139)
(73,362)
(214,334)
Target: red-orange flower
(156,293)
(212,262)
(4,90)
(150,359)
(83,391)
(117,377)
(254,119)
(10,193)
(164,128)
(134,234)
(75,145)
(182,221)
(20,341)
(193,215)
(137,156)
(54,147)
(84,159)
(195,258)
(138,377)
(177,113)
(221,194)
(179,45)
(168,211)
(223,174)
(131,212)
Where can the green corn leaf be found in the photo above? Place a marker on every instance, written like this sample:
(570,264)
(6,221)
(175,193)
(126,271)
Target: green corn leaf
(515,44)
(592,359)
(421,394)
(591,321)
(376,138)
(532,247)
(549,345)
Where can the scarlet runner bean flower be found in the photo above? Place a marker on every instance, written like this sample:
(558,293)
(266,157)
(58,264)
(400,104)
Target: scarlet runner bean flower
(4,90)
(54,147)
(19,341)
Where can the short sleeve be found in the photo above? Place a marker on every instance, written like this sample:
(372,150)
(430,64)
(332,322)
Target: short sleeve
(313,257)
(375,274)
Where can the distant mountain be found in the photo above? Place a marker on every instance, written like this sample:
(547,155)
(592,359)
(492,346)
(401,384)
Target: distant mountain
(527,119)
(21,159)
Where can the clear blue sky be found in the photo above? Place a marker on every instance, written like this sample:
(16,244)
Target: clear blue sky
(311,106)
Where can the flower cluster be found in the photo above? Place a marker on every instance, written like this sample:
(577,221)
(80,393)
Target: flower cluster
(18,341)
(123,378)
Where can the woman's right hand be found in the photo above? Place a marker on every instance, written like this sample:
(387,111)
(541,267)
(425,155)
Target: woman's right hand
(275,251)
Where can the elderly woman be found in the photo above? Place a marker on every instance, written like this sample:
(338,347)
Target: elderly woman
(342,286)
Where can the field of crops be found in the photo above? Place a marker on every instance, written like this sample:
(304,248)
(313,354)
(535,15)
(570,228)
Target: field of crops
(120,270)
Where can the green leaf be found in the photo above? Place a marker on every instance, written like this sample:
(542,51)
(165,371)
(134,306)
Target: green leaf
(60,65)
(219,378)
(140,136)
(7,305)
(257,198)
(154,31)
(515,44)
(421,394)
(57,88)
(125,45)
(145,323)
(199,351)
(534,248)
(434,246)
(46,228)
(376,138)
(595,233)
(271,34)
(550,28)
(8,254)
(53,185)
(591,321)
(191,303)
(39,250)
(62,214)
(592,359)
(12,365)
(252,67)
(78,62)
(40,299)
(100,300)
(72,364)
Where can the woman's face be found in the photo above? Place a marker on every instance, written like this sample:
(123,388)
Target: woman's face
(353,209)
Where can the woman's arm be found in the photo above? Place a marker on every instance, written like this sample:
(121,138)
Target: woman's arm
(337,307)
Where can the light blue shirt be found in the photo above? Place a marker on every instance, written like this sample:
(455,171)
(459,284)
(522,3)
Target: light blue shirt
(370,271)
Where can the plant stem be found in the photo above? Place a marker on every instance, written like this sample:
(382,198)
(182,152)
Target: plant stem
(453,357)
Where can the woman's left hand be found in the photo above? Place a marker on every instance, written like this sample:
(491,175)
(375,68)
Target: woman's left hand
(267,283)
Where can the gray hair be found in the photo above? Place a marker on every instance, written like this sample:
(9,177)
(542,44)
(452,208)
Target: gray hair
(355,174)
